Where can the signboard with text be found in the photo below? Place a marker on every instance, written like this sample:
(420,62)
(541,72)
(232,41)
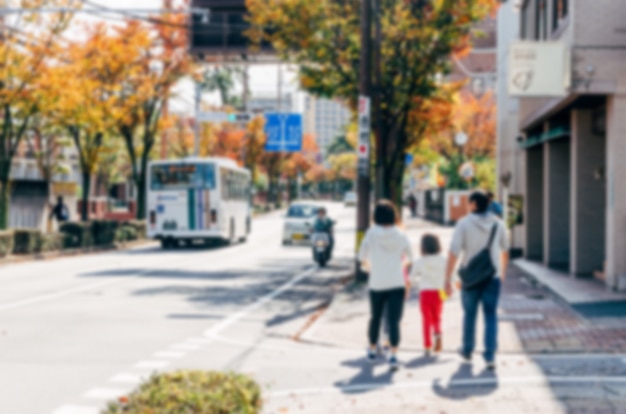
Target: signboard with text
(284,132)
(538,69)
(363,144)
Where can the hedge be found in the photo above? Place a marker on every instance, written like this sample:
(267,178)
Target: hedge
(79,235)
(6,242)
(140,228)
(51,242)
(104,232)
(26,241)
(198,392)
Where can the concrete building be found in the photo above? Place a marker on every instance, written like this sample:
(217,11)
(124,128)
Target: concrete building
(573,154)
(325,119)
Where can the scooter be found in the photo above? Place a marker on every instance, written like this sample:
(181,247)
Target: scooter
(321,243)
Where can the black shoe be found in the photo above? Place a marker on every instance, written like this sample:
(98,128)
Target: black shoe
(467,358)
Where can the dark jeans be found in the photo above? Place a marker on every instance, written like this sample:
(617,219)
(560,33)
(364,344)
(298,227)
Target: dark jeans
(389,303)
(487,297)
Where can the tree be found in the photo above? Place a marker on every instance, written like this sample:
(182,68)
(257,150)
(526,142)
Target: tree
(156,59)
(221,79)
(417,40)
(476,117)
(26,47)
(86,88)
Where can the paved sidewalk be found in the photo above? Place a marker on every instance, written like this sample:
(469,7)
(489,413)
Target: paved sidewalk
(532,319)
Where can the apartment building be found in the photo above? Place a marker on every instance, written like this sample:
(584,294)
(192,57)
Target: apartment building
(572,148)
(326,119)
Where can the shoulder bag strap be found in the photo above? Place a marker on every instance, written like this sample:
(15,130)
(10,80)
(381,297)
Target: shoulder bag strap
(492,236)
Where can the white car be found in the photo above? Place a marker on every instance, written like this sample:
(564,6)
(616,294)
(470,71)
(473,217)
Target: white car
(299,221)
(350,199)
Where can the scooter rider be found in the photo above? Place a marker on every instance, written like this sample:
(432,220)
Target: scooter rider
(323,224)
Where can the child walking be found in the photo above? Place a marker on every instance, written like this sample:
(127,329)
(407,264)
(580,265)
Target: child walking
(430,270)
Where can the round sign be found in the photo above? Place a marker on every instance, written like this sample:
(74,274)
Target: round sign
(362,149)
(460,139)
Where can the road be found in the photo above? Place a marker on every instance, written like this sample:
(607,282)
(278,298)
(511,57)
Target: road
(76,332)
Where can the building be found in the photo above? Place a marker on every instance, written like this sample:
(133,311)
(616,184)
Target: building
(270,102)
(326,119)
(573,147)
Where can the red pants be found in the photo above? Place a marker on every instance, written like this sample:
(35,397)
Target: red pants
(431,307)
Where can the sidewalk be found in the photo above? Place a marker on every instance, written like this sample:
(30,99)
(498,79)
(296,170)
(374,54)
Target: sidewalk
(532,318)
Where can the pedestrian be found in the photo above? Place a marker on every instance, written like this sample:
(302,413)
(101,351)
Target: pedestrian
(60,211)
(430,271)
(494,206)
(413,205)
(382,250)
(480,238)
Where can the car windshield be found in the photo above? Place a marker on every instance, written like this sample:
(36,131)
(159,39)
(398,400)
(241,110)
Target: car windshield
(301,211)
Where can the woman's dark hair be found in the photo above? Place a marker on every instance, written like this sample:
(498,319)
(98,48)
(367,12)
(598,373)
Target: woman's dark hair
(430,245)
(481,201)
(385,213)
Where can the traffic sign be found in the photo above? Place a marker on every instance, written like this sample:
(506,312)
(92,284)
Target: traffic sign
(460,139)
(221,116)
(284,132)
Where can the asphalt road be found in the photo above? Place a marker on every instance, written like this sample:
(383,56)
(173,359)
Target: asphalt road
(79,331)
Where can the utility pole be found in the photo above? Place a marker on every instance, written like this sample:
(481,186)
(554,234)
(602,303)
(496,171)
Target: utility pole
(197,130)
(363,180)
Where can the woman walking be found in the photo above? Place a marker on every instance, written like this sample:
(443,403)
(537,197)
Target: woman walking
(383,250)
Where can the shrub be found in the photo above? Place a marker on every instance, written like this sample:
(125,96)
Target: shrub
(139,226)
(79,234)
(26,241)
(197,392)
(51,242)
(6,243)
(125,233)
(104,232)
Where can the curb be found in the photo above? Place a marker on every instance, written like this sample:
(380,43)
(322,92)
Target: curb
(58,254)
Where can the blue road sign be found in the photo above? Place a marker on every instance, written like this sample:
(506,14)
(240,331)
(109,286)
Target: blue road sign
(408,160)
(284,132)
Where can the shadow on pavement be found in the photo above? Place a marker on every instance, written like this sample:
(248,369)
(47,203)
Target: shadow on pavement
(365,380)
(425,361)
(464,384)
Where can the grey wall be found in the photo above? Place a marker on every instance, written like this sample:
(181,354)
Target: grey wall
(557,204)
(533,205)
(588,196)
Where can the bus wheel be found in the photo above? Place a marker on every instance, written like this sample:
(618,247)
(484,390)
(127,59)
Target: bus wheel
(167,243)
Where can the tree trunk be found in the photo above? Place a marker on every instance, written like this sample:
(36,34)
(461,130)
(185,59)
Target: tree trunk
(84,208)
(5,199)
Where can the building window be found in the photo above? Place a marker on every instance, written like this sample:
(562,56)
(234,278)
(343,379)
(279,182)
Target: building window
(541,20)
(559,12)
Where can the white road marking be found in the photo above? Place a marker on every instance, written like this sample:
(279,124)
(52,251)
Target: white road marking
(496,381)
(186,347)
(151,364)
(77,409)
(104,393)
(225,323)
(168,354)
(128,378)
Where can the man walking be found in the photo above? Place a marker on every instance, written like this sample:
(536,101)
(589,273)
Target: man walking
(480,238)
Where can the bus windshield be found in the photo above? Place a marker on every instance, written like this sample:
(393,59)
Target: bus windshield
(182,176)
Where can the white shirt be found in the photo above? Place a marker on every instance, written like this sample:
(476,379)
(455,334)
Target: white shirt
(430,272)
(384,249)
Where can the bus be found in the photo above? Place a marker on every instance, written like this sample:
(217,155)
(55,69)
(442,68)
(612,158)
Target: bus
(198,199)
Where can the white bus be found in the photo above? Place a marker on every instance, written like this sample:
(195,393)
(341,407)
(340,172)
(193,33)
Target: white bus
(198,199)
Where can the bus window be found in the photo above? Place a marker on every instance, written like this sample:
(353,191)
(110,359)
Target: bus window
(182,177)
